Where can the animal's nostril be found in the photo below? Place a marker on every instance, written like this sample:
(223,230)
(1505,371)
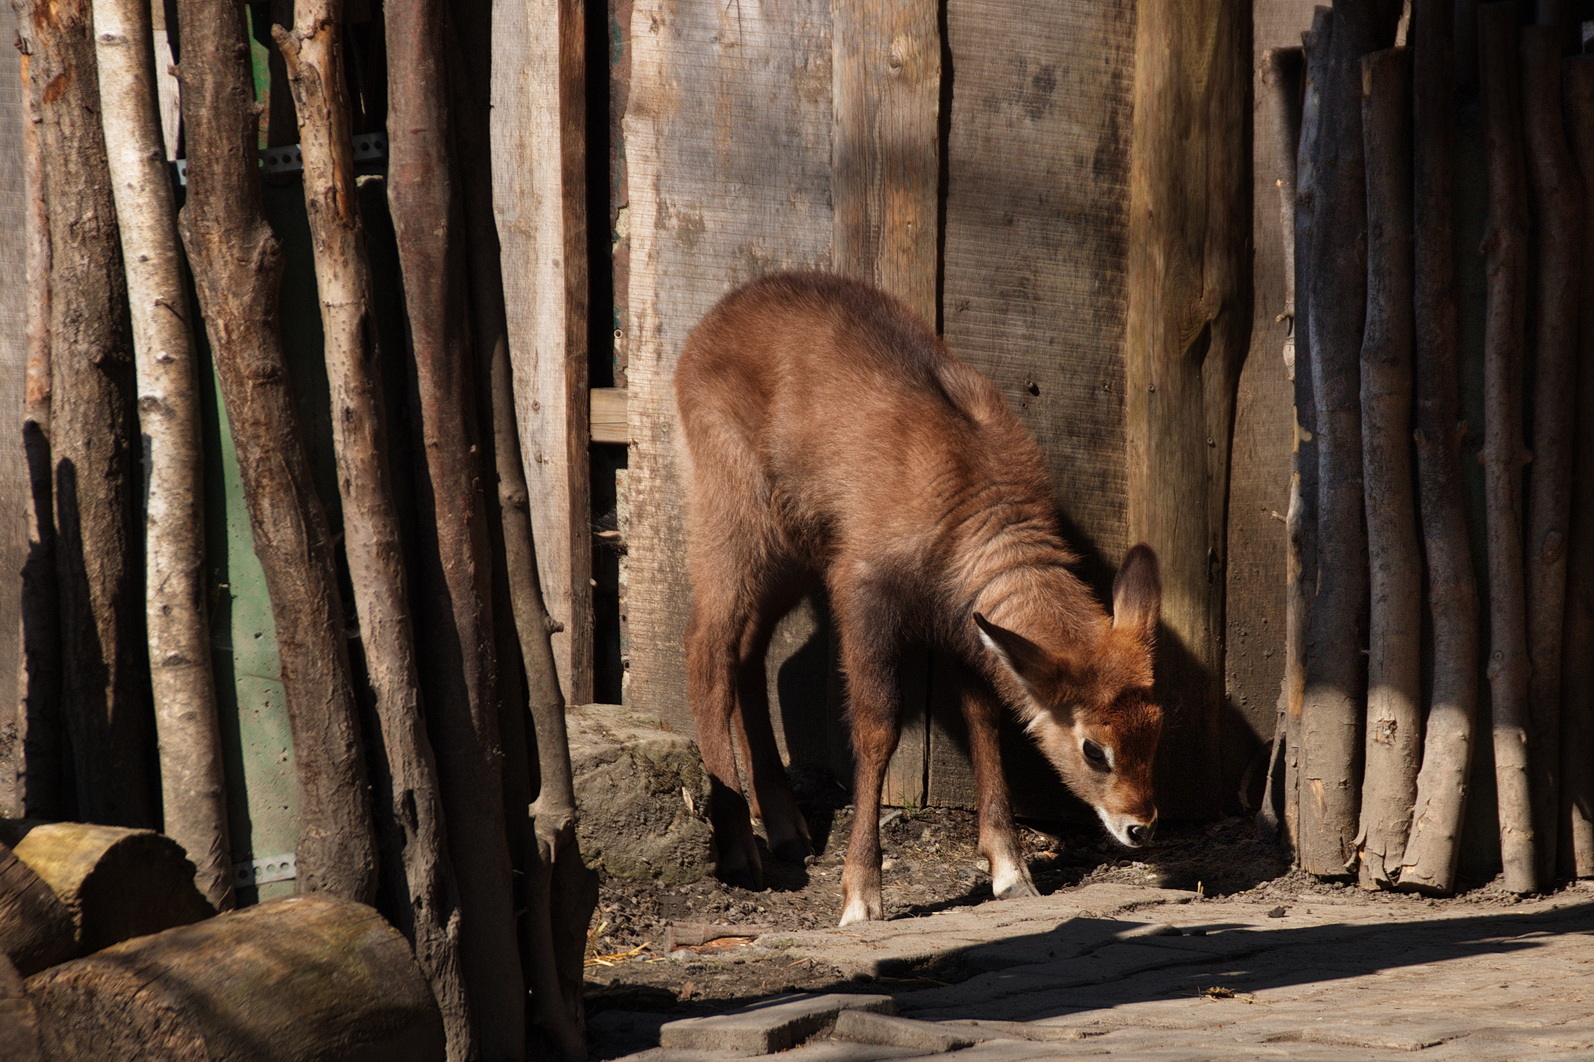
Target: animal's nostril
(1139,834)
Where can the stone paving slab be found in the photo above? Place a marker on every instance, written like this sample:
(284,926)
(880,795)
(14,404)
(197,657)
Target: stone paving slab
(1131,973)
(773,1025)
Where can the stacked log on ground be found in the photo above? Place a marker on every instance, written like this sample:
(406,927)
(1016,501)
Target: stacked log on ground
(310,978)
(115,883)
(18,1020)
(36,928)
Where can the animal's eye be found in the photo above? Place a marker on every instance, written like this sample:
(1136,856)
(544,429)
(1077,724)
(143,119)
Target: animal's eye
(1095,754)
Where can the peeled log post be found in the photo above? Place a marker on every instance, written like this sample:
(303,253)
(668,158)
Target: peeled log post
(117,883)
(1434,846)
(193,792)
(1302,519)
(1284,76)
(461,694)
(1557,238)
(1577,738)
(1188,329)
(104,694)
(560,892)
(1394,663)
(1331,709)
(36,928)
(1506,257)
(308,978)
(417,867)
(237,264)
(39,690)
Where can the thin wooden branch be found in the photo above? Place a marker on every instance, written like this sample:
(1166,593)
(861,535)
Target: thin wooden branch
(193,791)
(1557,239)
(423,902)
(459,666)
(1434,846)
(237,265)
(1284,78)
(1577,738)
(1505,251)
(1331,710)
(1393,740)
(104,694)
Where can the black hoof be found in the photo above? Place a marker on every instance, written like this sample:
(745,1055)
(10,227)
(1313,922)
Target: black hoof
(796,851)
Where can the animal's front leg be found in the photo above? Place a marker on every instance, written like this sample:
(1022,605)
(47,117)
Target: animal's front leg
(998,841)
(872,689)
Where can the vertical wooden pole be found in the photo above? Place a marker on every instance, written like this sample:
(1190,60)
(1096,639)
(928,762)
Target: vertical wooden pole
(194,795)
(539,203)
(458,662)
(1434,845)
(417,874)
(105,704)
(237,265)
(1331,710)
(1557,212)
(1577,741)
(1505,248)
(887,89)
(1188,328)
(1394,667)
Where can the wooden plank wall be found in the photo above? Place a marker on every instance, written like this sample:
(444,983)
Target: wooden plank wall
(728,148)
(1036,229)
(13,366)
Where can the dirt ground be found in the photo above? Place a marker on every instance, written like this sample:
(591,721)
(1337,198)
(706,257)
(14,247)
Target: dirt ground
(931,864)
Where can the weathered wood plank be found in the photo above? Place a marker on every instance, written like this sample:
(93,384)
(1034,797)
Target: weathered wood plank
(728,133)
(887,85)
(539,200)
(1035,250)
(607,416)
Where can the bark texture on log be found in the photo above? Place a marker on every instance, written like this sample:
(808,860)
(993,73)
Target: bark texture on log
(193,792)
(1557,212)
(1331,709)
(416,864)
(1284,76)
(39,693)
(1394,663)
(457,640)
(1434,845)
(105,704)
(18,1019)
(116,882)
(237,264)
(1189,320)
(1577,739)
(36,928)
(1506,254)
(308,978)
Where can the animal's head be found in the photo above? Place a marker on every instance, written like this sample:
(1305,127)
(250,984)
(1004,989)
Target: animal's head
(1089,705)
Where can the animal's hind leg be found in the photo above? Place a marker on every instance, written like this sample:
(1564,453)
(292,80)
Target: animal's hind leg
(771,793)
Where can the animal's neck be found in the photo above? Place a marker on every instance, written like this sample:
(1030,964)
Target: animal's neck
(1021,579)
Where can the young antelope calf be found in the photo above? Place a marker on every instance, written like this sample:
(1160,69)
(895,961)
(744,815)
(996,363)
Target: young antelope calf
(832,436)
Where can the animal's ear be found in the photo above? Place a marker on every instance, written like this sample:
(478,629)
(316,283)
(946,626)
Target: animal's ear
(1137,593)
(1026,659)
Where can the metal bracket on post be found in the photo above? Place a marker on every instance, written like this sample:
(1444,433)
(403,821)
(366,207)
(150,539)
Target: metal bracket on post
(368,147)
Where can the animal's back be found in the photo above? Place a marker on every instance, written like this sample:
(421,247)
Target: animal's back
(858,422)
